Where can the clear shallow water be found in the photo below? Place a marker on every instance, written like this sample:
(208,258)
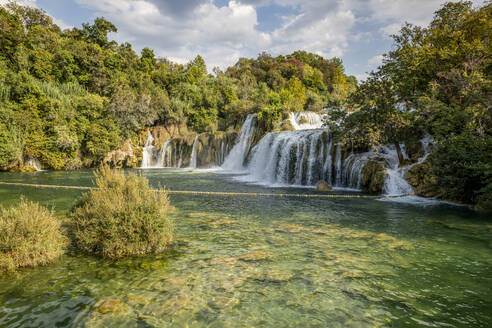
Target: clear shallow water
(272,262)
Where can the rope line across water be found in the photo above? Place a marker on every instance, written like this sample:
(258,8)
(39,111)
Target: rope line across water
(214,193)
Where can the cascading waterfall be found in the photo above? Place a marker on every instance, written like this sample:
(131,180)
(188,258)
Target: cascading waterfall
(164,157)
(193,160)
(306,120)
(395,183)
(300,157)
(338,166)
(148,152)
(295,158)
(235,159)
(352,169)
(34,162)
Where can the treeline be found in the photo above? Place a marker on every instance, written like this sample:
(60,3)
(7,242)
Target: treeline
(69,97)
(437,80)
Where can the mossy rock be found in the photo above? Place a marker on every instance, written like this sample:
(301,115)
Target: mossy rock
(323,186)
(373,176)
(303,120)
(423,181)
(484,203)
(286,126)
(27,168)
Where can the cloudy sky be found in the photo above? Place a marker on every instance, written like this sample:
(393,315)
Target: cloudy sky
(223,31)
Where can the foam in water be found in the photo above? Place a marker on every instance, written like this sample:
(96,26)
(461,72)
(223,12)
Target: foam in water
(148,151)
(193,160)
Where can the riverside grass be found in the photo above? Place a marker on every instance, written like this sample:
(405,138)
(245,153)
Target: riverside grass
(29,236)
(123,217)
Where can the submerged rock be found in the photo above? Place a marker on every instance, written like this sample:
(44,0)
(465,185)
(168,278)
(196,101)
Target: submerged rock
(323,186)
(109,306)
(251,257)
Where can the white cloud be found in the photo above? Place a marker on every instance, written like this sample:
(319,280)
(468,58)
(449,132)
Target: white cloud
(179,30)
(224,34)
(30,3)
(376,60)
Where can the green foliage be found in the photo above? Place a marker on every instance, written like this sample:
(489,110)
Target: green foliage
(464,167)
(437,79)
(29,236)
(124,217)
(75,95)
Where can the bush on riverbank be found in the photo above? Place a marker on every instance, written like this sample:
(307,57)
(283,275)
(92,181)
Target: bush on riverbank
(124,217)
(29,236)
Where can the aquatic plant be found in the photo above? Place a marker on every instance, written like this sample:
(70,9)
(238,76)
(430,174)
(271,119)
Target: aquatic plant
(29,236)
(122,217)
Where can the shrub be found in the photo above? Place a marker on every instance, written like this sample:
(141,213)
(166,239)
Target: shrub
(29,236)
(123,217)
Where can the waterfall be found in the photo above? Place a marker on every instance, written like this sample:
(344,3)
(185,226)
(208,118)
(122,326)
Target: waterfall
(292,158)
(395,183)
(235,159)
(193,160)
(327,177)
(180,161)
(164,157)
(306,120)
(338,166)
(148,151)
(34,162)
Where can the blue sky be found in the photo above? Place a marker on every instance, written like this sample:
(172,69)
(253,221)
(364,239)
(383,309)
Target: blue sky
(223,31)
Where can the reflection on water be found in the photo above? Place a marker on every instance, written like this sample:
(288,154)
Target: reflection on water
(271,262)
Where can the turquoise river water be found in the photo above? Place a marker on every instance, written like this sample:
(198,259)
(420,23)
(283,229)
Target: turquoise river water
(264,262)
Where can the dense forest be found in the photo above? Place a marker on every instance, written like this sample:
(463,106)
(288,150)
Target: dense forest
(436,80)
(69,97)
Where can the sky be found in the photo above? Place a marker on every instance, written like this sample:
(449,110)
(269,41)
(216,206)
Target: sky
(222,31)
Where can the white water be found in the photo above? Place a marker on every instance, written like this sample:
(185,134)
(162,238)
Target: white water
(235,159)
(164,157)
(338,166)
(310,120)
(289,158)
(395,183)
(34,162)
(148,152)
(193,160)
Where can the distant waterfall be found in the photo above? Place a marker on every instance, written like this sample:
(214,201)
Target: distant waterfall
(34,162)
(164,157)
(338,167)
(235,159)
(306,120)
(148,151)
(193,160)
(296,158)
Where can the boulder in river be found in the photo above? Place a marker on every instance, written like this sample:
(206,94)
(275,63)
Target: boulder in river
(323,186)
